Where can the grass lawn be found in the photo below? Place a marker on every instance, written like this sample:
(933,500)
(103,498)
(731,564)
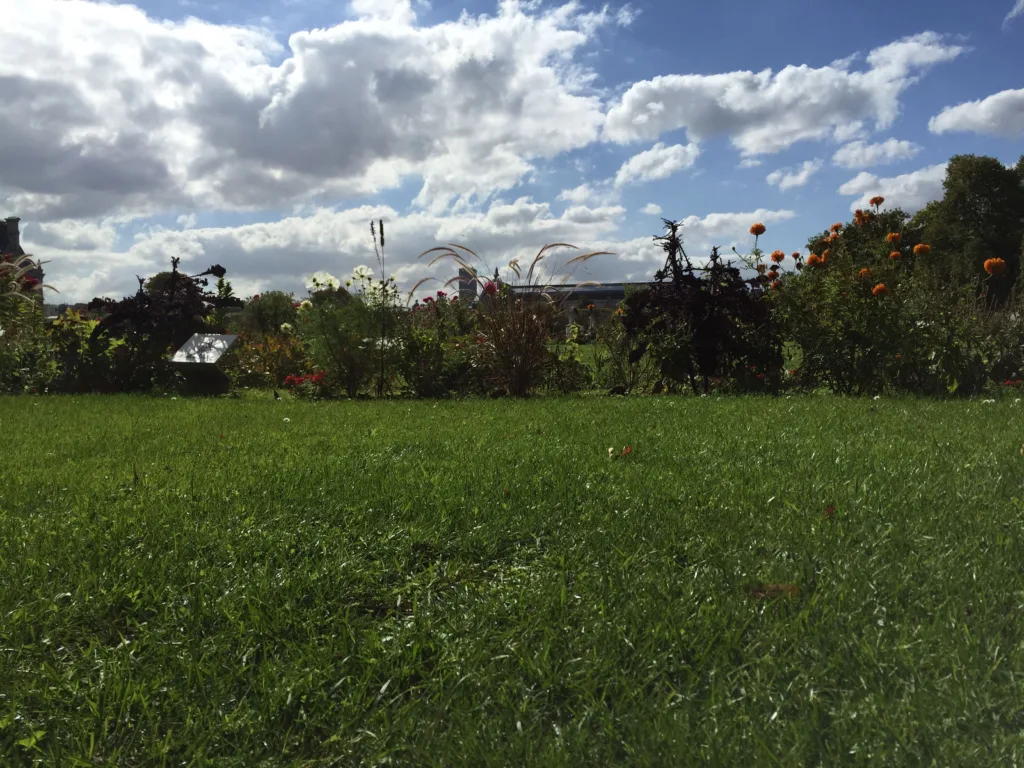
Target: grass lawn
(251,582)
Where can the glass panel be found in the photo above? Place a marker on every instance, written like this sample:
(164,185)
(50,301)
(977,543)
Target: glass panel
(204,348)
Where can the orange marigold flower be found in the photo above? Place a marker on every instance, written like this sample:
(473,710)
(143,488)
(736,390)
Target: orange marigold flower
(760,269)
(796,255)
(877,200)
(813,260)
(824,256)
(833,237)
(837,226)
(995,266)
(775,285)
(893,237)
(895,255)
(757,230)
(879,290)
(778,256)
(899,356)
(922,250)
(865,273)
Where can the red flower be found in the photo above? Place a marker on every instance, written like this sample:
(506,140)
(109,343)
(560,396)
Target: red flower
(441,294)
(760,377)
(490,288)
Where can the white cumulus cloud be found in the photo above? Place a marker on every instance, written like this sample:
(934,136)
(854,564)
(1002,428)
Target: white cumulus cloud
(790,178)
(1001,114)
(911,191)
(860,154)
(657,163)
(765,112)
(652,209)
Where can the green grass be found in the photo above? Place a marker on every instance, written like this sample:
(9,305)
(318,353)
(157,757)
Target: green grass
(206,582)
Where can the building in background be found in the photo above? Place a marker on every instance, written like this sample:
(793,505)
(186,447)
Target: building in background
(467,285)
(10,245)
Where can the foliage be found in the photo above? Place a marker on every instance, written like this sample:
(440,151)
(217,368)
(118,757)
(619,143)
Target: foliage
(26,360)
(705,324)
(437,350)
(515,319)
(980,216)
(348,334)
(882,315)
(165,312)
(311,386)
(265,361)
(568,373)
(265,313)
(624,362)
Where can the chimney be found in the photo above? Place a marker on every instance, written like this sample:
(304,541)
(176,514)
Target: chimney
(13,236)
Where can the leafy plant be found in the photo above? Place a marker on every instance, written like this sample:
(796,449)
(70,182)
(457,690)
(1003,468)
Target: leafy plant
(705,323)
(164,313)
(515,320)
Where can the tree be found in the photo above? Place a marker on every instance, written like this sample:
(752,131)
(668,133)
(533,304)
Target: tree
(980,216)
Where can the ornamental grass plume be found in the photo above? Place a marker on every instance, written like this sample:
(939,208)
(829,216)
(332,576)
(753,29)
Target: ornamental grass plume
(995,266)
(894,237)
(879,290)
(895,256)
(865,273)
(758,229)
(778,256)
(921,249)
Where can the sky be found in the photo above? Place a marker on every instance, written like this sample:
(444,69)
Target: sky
(265,135)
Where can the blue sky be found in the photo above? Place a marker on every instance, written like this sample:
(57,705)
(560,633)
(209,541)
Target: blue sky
(264,135)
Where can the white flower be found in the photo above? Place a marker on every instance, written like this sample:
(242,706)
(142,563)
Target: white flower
(987,402)
(287,420)
(611,452)
(287,328)
(362,272)
(321,280)
(174,398)
(877,397)
(305,304)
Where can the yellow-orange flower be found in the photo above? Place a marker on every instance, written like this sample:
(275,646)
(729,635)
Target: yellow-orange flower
(922,250)
(865,273)
(757,230)
(893,237)
(995,266)
(877,200)
(879,290)
(895,255)
(837,226)
(778,256)
(813,260)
